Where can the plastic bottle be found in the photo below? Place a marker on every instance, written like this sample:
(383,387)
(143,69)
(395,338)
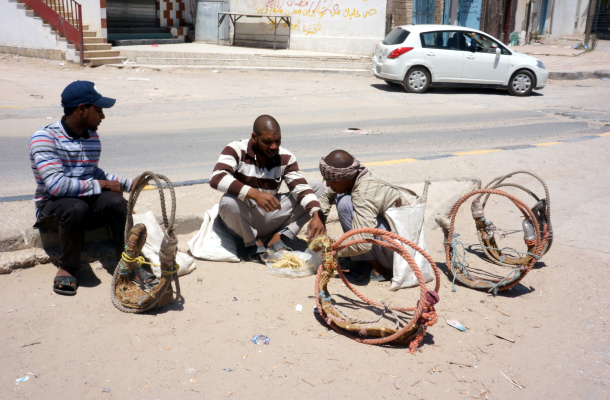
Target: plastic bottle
(260,339)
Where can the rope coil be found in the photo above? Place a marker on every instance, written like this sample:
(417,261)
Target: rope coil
(458,266)
(126,295)
(423,314)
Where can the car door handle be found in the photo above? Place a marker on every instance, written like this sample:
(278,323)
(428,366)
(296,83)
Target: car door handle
(430,54)
(470,57)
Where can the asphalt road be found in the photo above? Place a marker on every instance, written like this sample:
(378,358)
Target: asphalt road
(178,122)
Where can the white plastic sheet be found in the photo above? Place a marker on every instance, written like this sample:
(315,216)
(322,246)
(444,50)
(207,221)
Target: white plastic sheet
(213,242)
(153,244)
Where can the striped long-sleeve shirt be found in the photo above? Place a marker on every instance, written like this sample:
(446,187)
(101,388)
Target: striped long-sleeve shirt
(237,171)
(65,166)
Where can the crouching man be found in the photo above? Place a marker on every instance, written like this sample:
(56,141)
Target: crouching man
(250,172)
(361,198)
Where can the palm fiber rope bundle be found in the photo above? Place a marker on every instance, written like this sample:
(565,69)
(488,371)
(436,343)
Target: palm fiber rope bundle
(542,210)
(127,295)
(424,314)
(458,269)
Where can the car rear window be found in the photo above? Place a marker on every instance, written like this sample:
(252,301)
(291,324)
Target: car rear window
(397,36)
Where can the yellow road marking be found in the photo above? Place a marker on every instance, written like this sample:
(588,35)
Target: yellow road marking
(390,162)
(149,187)
(467,153)
(547,143)
(604,134)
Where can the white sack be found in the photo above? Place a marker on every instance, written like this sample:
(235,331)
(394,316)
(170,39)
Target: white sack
(153,244)
(213,242)
(408,222)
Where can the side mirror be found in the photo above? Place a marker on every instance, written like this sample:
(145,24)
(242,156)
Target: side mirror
(498,52)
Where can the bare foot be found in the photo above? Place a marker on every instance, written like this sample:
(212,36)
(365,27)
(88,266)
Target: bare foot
(63,272)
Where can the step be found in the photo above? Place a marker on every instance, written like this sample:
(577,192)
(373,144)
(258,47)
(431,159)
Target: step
(136,30)
(91,40)
(133,54)
(88,54)
(136,36)
(97,46)
(287,63)
(140,42)
(357,72)
(89,33)
(95,61)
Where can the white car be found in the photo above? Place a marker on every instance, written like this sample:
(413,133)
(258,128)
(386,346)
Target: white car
(420,56)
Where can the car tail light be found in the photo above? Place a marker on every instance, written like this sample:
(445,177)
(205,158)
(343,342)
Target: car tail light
(399,52)
(376,47)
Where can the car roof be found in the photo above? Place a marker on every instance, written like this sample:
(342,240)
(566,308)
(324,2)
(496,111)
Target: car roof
(435,28)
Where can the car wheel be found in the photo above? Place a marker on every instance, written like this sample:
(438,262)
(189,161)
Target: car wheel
(417,80)
(392,83)
(521,83)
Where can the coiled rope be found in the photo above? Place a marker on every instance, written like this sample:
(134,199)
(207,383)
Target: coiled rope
(126,295)
(458,267)
(542,210)
(424,314)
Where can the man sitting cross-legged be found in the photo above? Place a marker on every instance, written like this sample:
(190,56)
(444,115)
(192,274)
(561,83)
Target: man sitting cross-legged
(250,172)
(361,198)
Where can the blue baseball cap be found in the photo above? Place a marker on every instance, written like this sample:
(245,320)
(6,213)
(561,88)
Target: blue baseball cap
(84,92)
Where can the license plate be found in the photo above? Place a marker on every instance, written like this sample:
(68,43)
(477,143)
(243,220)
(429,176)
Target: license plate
(378,69)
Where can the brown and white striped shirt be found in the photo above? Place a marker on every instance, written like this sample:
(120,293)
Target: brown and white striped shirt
(238,170)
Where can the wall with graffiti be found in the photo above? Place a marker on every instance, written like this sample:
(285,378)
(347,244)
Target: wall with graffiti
(338,26)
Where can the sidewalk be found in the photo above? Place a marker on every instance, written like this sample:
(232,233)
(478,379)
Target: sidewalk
(561,60)
(565,62)
(211,56)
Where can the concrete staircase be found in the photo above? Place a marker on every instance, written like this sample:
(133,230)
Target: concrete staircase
(96,51)
(357,65)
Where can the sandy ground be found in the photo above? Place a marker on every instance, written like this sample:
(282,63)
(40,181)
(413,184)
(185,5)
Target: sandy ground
(77,347)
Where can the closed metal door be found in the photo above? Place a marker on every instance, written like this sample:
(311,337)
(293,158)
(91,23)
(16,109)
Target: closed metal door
(131,13)
(206,26)
(469,13)
(423,12)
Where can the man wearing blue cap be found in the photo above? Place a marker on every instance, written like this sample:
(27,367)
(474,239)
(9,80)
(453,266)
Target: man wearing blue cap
(72,193)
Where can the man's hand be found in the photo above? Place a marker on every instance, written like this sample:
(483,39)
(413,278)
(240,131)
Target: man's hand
(113,186)
(266,201)
(316,227)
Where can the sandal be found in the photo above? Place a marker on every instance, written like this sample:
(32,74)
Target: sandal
(279,245)
(259,255)
(65,281)
(381,277)
(140,276)
(359,273)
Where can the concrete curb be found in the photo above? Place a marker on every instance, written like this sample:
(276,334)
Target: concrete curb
(579,75)
(31,238)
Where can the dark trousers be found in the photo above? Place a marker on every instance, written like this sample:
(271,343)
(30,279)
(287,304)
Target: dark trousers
(75,215)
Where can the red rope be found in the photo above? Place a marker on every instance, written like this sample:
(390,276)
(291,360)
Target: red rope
(424,312)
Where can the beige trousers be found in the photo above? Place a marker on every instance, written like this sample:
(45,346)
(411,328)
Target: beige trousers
(250,222)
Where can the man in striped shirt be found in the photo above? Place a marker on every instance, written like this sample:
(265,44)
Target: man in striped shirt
(250,172)
(72,193)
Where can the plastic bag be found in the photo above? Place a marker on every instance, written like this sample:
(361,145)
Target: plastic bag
(213,242)
(153,244)
(408,222)
(312,262)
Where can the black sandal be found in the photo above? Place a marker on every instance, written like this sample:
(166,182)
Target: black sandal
(359,273)
(65,281)
(259,255)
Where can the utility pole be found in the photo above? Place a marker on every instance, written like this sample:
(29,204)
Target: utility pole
(592,5)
